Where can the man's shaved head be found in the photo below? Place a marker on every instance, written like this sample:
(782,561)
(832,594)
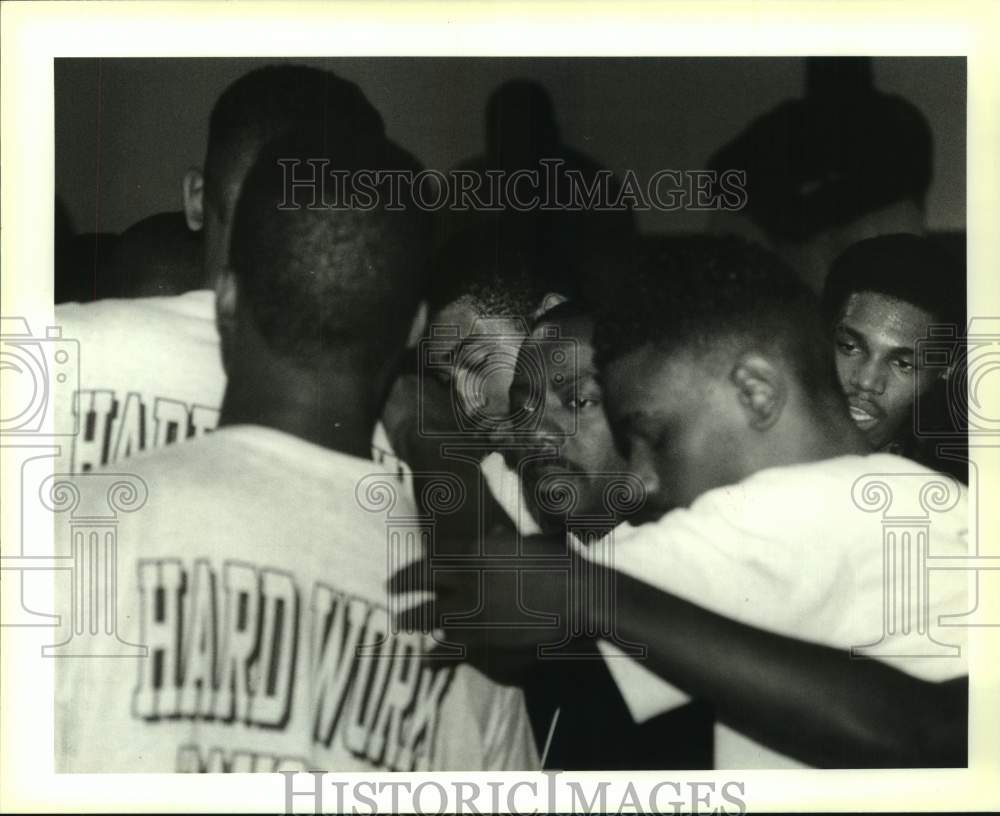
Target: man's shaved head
(270,101)
(317,279)
(709,296)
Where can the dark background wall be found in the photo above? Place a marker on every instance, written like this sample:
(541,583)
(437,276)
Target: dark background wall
(127,129)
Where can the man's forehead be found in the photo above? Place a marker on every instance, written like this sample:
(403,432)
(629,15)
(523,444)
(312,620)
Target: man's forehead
(465,318)
(642,377)
(888,320)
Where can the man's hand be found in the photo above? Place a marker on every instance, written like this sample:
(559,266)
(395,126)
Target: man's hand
(501,604)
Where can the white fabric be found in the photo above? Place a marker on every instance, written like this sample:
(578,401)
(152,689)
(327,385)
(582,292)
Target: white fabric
(788,550)
(150,374)
(506,488)
(236,524)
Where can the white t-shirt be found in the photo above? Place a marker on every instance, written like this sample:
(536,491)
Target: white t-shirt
(796,551)
(150,373)
(506,488)
(256,578)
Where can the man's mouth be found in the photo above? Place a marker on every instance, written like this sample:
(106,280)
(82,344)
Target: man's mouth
(864,414)
(538,469)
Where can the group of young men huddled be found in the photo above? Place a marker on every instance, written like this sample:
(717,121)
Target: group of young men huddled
(469,507)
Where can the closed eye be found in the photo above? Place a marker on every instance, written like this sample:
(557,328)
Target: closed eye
(847,341)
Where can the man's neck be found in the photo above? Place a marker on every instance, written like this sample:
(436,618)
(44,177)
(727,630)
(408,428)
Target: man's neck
(824,430)
(834,434)
(331,411)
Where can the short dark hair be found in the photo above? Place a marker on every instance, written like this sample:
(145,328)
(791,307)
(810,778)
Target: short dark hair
(564,310)
(265,103)
(910,268)
(500,278)
(703,293)
(157,255)
(318,278)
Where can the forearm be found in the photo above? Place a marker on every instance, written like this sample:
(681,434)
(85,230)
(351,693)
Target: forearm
(812,702)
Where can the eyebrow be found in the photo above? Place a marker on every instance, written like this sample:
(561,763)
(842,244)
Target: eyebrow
(581,374)
(858,336)
(855,335)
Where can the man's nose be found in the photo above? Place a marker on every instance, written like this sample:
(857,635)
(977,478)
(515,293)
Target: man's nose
(529,424)
(869,376)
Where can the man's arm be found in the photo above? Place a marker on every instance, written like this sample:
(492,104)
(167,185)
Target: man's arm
(812,702)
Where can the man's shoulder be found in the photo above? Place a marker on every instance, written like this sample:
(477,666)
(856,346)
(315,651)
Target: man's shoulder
(864,480)
(187,460)
(256,480)
(240,453)
(834,497)
(136,324)
(839,501)
(167,347)
(198,303)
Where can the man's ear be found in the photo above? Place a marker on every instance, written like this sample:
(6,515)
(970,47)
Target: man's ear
(194,199)
(550,301)
(226,299)
(762,390)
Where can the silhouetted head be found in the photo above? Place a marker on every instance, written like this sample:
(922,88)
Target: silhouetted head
(520,124)
(158,255)
(846,162)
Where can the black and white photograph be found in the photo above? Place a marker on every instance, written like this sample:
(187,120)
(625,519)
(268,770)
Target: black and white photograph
(613,417)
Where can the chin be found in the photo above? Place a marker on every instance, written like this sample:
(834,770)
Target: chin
(878,439)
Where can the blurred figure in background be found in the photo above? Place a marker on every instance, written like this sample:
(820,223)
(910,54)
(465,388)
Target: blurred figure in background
(82,261)
(156,256)
(843,163)
(521,130)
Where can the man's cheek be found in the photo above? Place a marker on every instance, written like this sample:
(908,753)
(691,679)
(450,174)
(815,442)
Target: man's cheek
(843,370)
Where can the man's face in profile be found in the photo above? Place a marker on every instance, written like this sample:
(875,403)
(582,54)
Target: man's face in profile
(874,341)
(563,390)
(678,424)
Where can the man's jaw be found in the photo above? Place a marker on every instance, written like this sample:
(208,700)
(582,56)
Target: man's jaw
(537,469)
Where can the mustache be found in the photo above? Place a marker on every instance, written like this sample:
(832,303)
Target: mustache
(856,400)
(538,467)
